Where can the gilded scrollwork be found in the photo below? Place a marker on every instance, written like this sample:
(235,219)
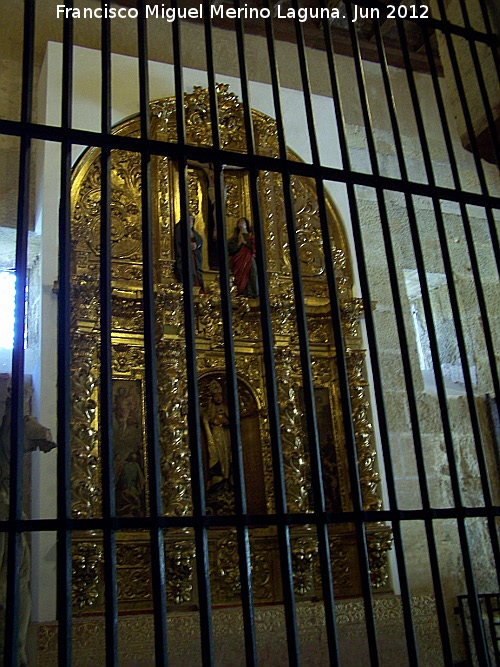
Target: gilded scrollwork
(319,329)
(261,572)
(209,318)
(249,368)
(127,314)
(193,198)
(85,460)
(179,565)
(136,633)
(322,370)
(128,272)
(226,568)
(363,430)
(128,355)
(341,572)
(129,555)
(379,544)
(198,119)
(246,320)
(169,309)
(282,305)
(266,137)
(175,460)
(87,559)
(133,571)
(272,210)
(134,585)
(84,296)
(304,553)
(125,208)
(308,231)
(352,311)
(232,194)
(227,565)
(295,458)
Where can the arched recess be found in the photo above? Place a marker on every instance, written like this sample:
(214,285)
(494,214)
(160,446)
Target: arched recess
(128,367)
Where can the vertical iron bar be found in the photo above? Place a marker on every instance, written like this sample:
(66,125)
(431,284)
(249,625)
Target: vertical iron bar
(152,434)
(318,490)
(341,361)
(293,648)
(14,537)
(463,601)
(230,361)
(481,83)
(64,561)
(485,321)
(197,474)
(348,427)
(465,219)
(493,611)
(106,393)
(447,430)
(268,346)
(408,373)
(487,600)
(495,38)
(377,375)
(371,333)
(470,130)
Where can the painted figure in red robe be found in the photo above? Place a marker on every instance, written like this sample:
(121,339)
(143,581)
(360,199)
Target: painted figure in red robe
(241,249)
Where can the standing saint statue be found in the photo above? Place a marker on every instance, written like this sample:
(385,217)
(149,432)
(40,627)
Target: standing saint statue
(196,244)
(241,249)
(216,425)
(36,436)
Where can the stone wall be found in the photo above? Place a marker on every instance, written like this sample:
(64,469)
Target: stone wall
(458,52)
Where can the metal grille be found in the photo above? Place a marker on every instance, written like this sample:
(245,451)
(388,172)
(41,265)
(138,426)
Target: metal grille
(405,186)
(489,609)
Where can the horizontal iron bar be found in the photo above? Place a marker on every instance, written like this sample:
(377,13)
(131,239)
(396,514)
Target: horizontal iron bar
(251,520)
(260,162)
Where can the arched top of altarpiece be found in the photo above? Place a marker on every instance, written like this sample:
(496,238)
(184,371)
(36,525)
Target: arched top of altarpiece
(126,184)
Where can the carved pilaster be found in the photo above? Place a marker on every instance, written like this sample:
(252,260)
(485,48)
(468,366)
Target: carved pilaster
(363,430)
(292,439)
(85,458)
(175,460)
(179,566)
(304,555)
(379,544)
(87,558)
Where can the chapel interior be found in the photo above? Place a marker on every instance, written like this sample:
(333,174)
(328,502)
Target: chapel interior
(243,392)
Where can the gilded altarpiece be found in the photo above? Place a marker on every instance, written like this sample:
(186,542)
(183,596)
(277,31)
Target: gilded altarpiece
(131,465)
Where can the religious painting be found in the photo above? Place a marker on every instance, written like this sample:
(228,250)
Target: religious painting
(128,437)
(216,440)
(327,449)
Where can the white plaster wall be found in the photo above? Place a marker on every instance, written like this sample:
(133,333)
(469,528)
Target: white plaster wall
(44,489)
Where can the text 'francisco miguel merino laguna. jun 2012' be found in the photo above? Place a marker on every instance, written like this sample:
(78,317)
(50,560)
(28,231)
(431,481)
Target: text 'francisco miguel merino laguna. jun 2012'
(222,11)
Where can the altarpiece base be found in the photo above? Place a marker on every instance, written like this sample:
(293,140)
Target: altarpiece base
(136,636)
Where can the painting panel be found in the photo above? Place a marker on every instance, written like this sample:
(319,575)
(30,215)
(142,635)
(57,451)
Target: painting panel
(129,451)
(327,448)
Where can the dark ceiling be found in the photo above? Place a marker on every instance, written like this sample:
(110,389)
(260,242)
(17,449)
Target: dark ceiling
(284,30)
